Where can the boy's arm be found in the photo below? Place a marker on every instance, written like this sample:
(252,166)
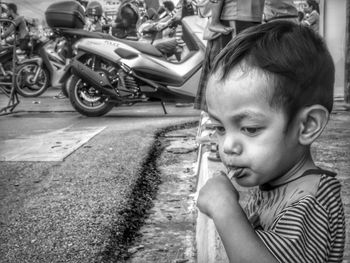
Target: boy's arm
(219,200)
(241,242)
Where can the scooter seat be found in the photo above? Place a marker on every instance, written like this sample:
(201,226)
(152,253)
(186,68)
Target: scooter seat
(81,33)
(143,47)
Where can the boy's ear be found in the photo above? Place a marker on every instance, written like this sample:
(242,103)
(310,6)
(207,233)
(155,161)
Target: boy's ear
(313,120)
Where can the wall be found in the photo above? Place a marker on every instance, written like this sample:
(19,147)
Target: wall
(333,24)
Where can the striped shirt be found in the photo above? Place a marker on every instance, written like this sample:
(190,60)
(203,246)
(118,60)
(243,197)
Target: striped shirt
(300,226)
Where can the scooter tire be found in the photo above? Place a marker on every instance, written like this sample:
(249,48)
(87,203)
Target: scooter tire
(23,84)
(83,107)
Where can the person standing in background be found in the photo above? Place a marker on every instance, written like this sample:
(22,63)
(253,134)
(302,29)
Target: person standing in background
(235,16)
(280,10)
(19,27)
(127,20)
(174,44)
(94,14)
(312,17)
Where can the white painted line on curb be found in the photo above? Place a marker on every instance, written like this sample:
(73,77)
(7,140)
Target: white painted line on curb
(47,147)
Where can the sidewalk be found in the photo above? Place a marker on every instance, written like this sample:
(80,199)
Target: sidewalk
(44,103)
(333,153)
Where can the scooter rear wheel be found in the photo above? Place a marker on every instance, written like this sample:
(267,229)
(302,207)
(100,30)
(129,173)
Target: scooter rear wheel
(85,99)
(25,84)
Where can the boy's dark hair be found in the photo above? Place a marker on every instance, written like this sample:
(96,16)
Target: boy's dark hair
(294,56)
(12,7)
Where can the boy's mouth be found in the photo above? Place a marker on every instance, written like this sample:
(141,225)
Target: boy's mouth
(235,172)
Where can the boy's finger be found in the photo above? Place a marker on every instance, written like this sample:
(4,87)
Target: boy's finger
(228,30)
(219,173)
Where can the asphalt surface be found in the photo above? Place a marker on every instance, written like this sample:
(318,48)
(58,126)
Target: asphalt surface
(79,209)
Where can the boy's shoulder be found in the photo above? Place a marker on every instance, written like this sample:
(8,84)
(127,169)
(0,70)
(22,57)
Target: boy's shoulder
(315,184)
(329,191)
(316,191)
(319,188)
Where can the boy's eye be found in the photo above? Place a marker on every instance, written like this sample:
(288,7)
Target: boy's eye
(251,130)
(219,129)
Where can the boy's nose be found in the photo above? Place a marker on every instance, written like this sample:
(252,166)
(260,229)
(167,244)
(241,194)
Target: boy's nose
(231,145)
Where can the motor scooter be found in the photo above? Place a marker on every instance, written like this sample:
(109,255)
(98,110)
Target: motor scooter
(113,72)
(51,56)
(8,63)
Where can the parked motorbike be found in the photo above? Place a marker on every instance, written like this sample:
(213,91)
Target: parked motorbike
(8,63)
(109,73)
(12,60)
(51,55)
(32,79)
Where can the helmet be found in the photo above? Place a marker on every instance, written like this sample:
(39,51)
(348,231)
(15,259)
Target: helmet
(94,8)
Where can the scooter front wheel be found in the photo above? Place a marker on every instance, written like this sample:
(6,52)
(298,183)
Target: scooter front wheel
(85,99)
(31,80)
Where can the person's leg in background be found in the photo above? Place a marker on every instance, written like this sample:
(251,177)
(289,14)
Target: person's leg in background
(213,48)
(216,24)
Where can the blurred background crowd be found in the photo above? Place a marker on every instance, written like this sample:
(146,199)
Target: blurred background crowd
(157,21)
(109,12)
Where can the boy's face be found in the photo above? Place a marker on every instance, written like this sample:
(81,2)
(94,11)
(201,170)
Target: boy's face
(254,143)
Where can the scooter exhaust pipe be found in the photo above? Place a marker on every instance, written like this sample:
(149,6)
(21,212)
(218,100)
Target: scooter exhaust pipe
(96,79)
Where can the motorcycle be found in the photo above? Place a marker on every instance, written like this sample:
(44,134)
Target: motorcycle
(8,63)
(51,55)
(31,78)
(109,73)
(12,60)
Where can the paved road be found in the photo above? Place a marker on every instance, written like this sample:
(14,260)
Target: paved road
(46,114)
(69,210)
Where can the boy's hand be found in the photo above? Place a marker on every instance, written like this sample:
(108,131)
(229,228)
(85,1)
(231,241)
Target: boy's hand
(216,195)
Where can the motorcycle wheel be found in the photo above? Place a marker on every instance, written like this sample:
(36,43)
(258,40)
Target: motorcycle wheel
(85,100)
(24,83)
(7,78)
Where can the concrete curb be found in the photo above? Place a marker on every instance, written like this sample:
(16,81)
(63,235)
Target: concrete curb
(209,246)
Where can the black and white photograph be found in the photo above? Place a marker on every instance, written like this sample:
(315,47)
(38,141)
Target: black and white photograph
(174,131)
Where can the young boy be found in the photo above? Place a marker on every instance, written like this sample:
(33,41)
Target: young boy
(269,95)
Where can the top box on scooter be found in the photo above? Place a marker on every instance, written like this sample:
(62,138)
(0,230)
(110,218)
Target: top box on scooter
(69,14)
